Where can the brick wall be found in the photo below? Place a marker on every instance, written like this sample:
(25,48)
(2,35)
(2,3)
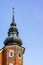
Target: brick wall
(0,57)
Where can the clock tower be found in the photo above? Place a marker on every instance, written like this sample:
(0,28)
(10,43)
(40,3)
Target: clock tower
(12,53)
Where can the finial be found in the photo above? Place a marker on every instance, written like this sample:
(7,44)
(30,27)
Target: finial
(13,15)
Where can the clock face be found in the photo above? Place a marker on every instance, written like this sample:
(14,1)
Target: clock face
(19,51)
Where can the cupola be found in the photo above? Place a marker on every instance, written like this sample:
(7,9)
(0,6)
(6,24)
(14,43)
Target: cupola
(13,34)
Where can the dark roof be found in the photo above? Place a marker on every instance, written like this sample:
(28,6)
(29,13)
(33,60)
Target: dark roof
(13,34)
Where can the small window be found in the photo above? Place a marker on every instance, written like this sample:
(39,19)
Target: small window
(19,52)
(19,55)
(10,63)
(11,53)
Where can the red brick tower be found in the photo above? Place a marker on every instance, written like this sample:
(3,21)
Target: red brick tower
(12,53)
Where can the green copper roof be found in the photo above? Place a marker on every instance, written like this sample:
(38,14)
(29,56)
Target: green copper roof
(13,34)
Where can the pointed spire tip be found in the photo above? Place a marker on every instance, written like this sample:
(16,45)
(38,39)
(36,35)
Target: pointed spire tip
(13,15)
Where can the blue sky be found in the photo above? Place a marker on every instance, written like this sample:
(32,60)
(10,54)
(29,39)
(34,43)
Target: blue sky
(29,20)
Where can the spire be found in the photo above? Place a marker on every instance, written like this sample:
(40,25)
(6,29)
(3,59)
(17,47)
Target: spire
(13,19)
(12,14)
(13,37)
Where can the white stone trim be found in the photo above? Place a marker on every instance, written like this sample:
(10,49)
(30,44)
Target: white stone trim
(10,53)
(10,63)
(1,50)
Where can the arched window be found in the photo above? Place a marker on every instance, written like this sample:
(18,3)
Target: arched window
(11,53)
(19,52)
